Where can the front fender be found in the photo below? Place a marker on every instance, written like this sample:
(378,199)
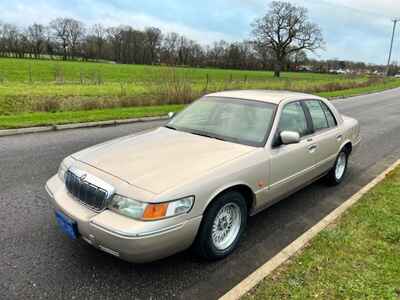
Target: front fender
(229,186)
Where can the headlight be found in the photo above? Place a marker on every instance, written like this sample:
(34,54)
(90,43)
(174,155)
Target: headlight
(62,169)
(150,211)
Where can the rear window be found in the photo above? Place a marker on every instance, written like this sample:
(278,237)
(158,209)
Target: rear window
(329,115)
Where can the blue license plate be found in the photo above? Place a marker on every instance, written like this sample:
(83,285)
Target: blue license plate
(68,226)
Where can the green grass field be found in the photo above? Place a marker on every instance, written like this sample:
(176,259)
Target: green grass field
(41,87)
(357,258)
(19,70)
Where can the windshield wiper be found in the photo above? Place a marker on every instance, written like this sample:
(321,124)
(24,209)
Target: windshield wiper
(170,127)
(207,135)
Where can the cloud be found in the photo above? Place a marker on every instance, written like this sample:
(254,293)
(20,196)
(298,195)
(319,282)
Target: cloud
(106,14)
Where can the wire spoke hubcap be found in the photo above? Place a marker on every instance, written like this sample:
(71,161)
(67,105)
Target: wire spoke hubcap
(340,166)
(226,226)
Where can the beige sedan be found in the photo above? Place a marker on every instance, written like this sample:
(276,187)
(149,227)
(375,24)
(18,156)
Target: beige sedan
(194,182)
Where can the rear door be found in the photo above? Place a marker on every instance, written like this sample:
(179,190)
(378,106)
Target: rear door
(326,137)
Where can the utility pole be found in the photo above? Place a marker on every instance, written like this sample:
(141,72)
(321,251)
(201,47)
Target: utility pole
(391,45)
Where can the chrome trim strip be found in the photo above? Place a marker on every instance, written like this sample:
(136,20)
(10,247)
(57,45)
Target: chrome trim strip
(108,250)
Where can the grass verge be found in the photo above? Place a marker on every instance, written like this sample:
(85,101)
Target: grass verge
(21,120)
(69,117)
(374,88)
(357,258)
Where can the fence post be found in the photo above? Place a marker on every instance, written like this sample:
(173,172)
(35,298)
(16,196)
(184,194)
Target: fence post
(81,75)
(30,73)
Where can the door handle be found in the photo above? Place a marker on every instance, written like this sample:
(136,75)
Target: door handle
(339,137)
(312,148)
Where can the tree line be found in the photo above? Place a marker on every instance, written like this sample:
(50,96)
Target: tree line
(280,40)
(71,39)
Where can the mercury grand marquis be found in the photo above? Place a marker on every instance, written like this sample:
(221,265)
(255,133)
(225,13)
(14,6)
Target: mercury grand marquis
(194,182)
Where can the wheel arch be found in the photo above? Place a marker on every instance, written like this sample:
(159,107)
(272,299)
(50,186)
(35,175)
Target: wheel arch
(347,146)
(242,188)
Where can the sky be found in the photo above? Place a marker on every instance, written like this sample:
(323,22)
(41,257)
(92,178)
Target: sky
(357,30)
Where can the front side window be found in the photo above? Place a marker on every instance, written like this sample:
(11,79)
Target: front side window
(234,120)
(293,119)
(317,115)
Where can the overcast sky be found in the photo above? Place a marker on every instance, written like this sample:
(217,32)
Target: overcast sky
(353,29)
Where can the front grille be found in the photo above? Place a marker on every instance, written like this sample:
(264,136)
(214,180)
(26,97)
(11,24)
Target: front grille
(86,192)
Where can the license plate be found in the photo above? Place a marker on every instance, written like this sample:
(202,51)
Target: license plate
(68,226)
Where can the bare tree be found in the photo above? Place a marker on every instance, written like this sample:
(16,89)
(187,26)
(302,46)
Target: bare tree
(153,43)
(115,40)
(265,55)
(11,36)
(286,30)
(75,33)
(60,30)
(170,48)
(37,38)
(68,32)
(100,34)
(2,40)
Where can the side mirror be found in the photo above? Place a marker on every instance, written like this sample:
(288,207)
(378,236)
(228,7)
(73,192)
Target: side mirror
(171,114)
(290,137)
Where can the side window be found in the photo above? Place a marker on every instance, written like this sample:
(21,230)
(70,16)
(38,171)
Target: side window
(317,115)
(329,115)
(293,119)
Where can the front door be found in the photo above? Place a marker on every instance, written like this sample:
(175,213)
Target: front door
(292,165)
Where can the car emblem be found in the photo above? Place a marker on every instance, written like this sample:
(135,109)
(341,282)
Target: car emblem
(83,177)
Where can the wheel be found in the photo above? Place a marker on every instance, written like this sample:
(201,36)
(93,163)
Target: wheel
(336,174)
(222,226)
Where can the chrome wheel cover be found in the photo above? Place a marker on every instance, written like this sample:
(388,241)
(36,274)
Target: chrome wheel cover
(340,165)
(226,226)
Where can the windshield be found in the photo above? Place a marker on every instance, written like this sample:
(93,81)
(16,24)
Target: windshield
(234,120)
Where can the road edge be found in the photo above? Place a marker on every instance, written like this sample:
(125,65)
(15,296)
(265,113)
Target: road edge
(27,130)
(262,272)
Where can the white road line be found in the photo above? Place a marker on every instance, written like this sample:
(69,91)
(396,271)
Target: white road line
(254,278)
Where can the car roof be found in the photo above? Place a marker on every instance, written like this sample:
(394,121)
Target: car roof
(274,97)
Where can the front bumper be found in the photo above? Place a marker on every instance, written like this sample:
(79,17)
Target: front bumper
(131,240)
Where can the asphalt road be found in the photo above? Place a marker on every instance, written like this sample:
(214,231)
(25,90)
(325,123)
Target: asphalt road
(38,261)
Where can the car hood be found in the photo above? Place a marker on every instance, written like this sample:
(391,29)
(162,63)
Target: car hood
(160,159)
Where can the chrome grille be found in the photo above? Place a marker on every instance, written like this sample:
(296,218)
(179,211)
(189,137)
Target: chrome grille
(88,193)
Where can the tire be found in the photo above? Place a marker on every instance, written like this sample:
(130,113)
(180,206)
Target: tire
(338,172)
(209,243)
